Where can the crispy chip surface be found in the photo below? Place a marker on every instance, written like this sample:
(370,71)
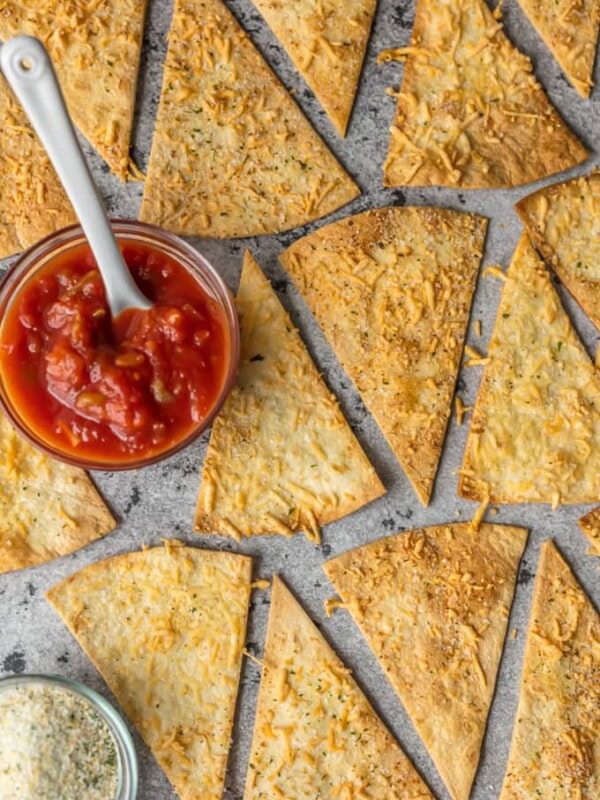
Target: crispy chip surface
(434,605)
(327,41)
(165,628)
(470,113)
(232,153)
(316,735)
(563,221)
(590,525)
(392,290)
(570,29)
(281,456)
(32,202)
(47,508)
(95,47)
(555,751)
(535,430)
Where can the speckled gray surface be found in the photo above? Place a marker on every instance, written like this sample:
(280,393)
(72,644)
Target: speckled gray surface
(159,501)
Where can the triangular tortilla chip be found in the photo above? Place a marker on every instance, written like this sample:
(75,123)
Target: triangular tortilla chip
(570,29)
(281,456)
(590,525)
(434,606)
(563,221)
(471,114)
(32,202)
(47,508)
(392,290)
(327,43)
(535,430)
(555,752)
(232,155)
(95,47)
(316,734)
(165,628)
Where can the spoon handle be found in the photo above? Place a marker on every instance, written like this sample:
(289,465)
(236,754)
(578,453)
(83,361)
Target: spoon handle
(30,74)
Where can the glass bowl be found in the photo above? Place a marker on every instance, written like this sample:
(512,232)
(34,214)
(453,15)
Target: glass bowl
(57,243)
(126,757)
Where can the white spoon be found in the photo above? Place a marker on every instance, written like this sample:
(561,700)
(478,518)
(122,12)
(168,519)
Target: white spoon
(28,70)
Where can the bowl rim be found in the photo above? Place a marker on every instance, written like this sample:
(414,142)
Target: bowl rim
(128,775)
(26,262)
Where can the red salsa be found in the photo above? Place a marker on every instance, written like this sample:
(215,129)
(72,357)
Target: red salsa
(113,390)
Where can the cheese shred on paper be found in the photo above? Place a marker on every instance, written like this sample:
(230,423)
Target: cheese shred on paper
(535,430)
(47,508)
(555,753)
(563,221)
(590,525)
(392,290)
(281,456)
(32,202)
(232,155)
(165,627)
(327,41)
(316,735)
(570,29)
(471,114)
(95,47)
(434,606)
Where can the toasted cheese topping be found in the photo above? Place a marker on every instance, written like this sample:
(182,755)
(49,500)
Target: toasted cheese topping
(392,290)
(32,202)
(95,47)
(590,525)
(535,430)
(281,456)
(470,113)
(327,41)
(166,628)
(563,221)
(47,508)
(570,29)
(232,153)
(554,752)
(434,606)
(316,735)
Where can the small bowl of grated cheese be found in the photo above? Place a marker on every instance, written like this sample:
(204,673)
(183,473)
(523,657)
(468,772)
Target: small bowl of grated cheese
(59,739)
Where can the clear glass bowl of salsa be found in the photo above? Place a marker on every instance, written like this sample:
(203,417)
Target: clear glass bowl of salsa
(59,730)
(121,393)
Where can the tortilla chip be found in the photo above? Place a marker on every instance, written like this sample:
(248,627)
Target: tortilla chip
(590,525)
(570,29)
(32,202)
(434,606)
(554,752)
(327,43)
(281,456)
(471,114)
(392,290)
(316,734)
(232,155)
(535,430)
(563,221)
(95,47)
(165,628)
(47,508)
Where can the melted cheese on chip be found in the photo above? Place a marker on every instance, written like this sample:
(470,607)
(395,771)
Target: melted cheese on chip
(392,290)
(165,627)
(470,112)
(281,456)
(535,430)
(434,606)
(316,735)
(555,751)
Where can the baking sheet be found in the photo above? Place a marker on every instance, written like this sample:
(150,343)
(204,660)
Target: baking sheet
(159,501)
